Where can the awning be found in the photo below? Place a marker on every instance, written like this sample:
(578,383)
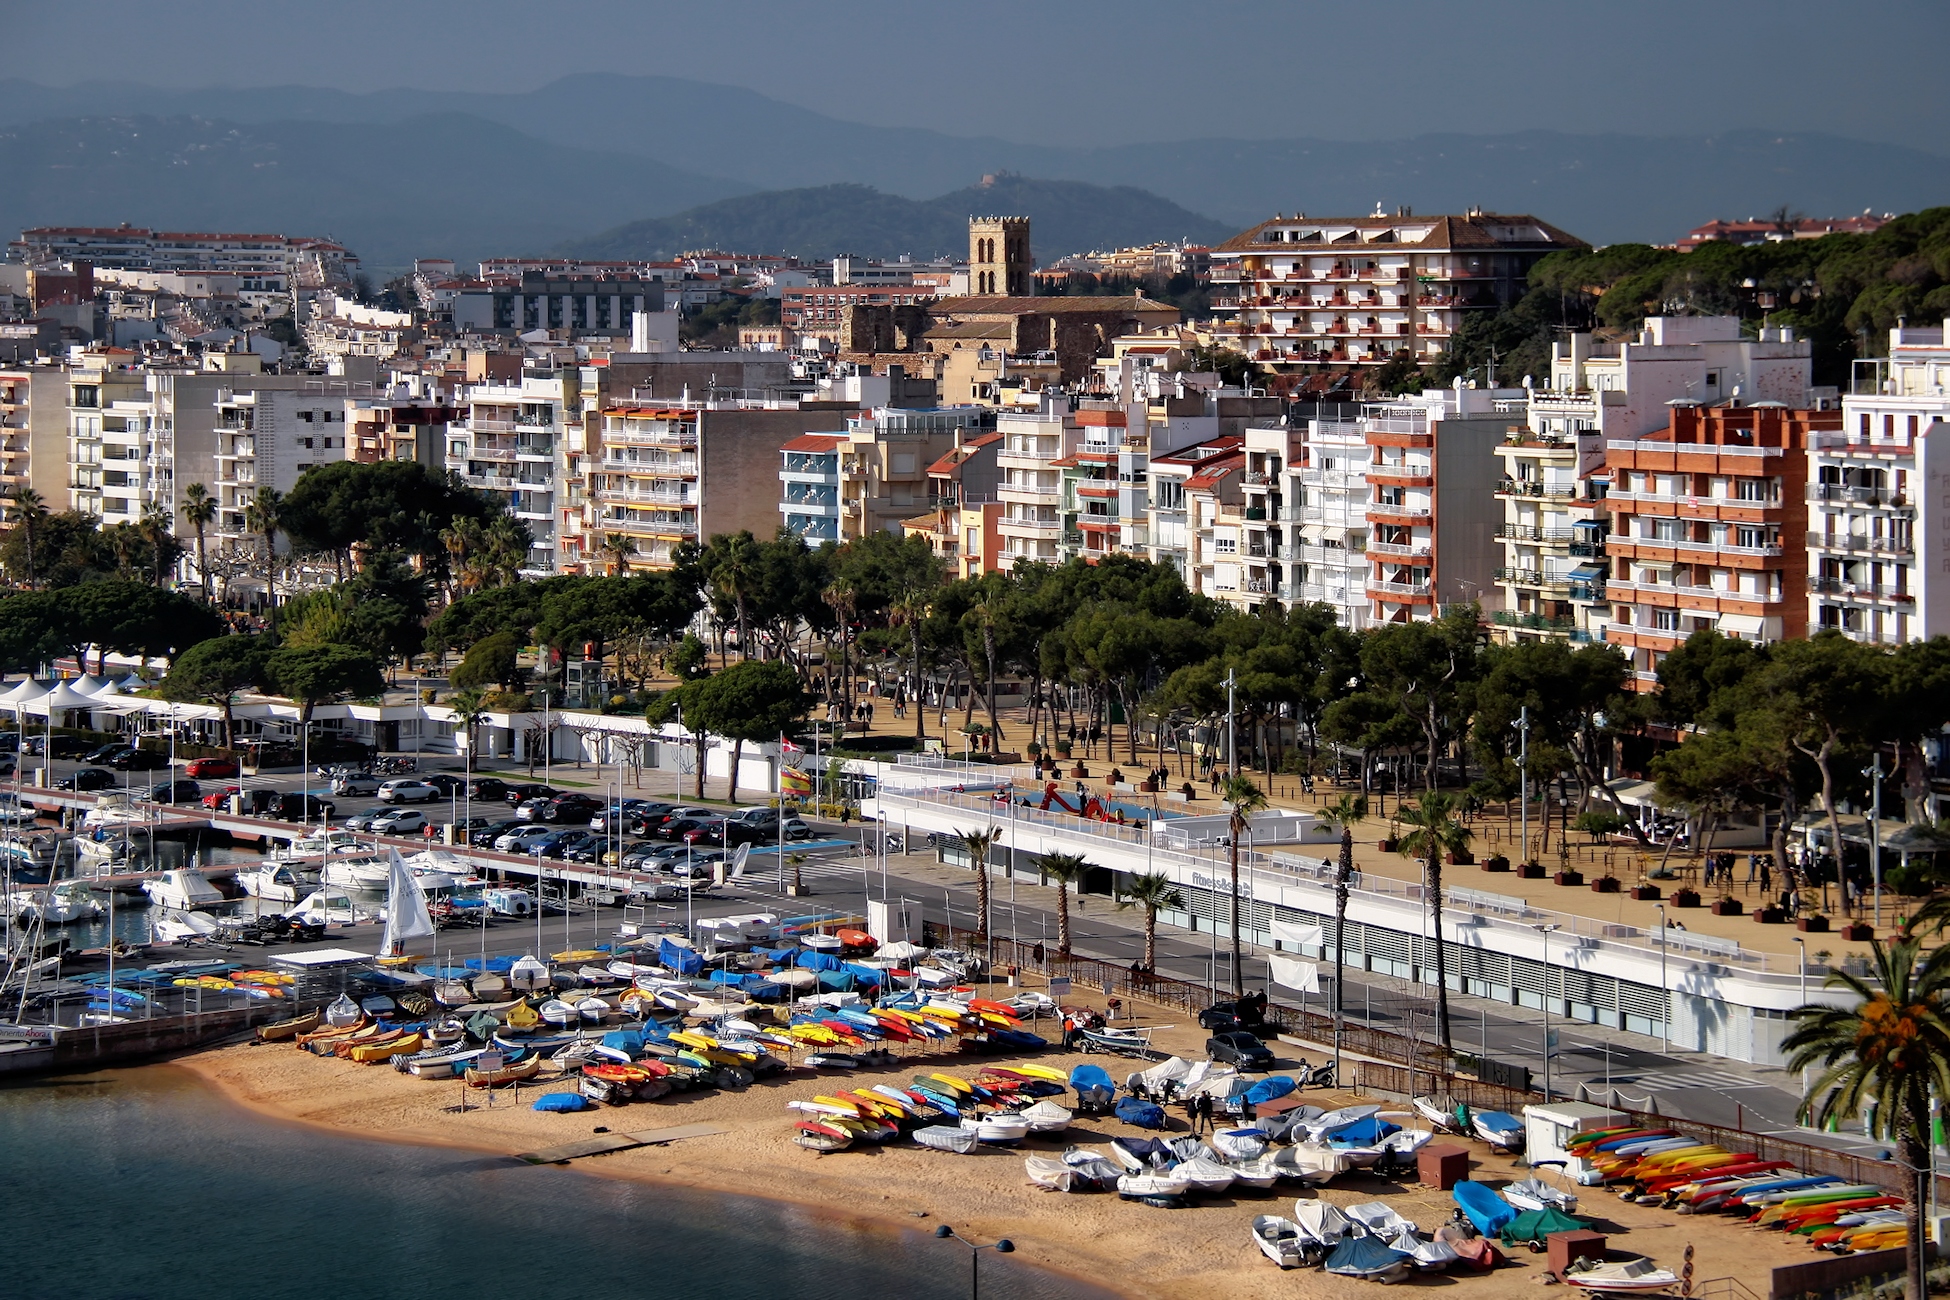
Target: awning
(1741,624)
(1595,525)
(1588,573)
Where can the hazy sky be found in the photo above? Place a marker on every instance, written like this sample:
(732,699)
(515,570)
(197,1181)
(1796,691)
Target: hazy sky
(1083,72)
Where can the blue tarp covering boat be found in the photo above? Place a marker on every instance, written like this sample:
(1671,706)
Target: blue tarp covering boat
(1271,1088)
(1364,1257)
(1488,1211)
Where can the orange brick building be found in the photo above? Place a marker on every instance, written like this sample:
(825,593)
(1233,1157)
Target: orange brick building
(1709,516)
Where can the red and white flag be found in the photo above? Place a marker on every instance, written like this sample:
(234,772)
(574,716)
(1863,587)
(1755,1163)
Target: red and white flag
(787,747)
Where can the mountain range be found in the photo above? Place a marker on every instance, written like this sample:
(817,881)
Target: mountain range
(821,221)
(408,172)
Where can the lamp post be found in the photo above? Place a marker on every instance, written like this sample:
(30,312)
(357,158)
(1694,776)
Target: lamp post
(1523,783)
(1001,1246)
(1801,946)
(1874,773)
(1545,930)
(1665,991)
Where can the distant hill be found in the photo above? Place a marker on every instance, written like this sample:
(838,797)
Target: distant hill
(1604,188)
(438,185)
(819,222)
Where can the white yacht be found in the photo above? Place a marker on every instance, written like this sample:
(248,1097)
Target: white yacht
(278,882)
(60,904)
(182,890)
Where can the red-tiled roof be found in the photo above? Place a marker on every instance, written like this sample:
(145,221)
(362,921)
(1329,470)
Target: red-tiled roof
(1442,233)
(815,442)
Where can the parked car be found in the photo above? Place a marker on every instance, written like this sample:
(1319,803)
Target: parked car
(176,792)
(62,746)
(566,841)
(710,832)
(399,821)
(1239,1048)
(523,837)
(1230,1015)
(570,809)
(355,783)
(487,789)
(530,810)
(211,769)
(102,753)
(257,803)
(591,850)
(635,856)
(627,813)
(298,806)
(446,783)
(484,837)
(9,742)
(653,824)
(139,760)
(8,764)
(522,791)
(691,864)
(468,825)
(675,829)
(407,790)
(89,778)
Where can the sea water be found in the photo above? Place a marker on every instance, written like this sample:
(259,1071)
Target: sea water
(145,1184)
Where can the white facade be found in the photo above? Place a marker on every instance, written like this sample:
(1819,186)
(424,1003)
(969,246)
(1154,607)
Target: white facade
(1328,505)
(514,447)
(1030,483)
(266,438)
(1870,529)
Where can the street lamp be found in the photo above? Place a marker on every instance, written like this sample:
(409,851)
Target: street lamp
(1522,725)
(1545,930)
(1874,773)
(1001,1246)
(1802,945)
(1665,991)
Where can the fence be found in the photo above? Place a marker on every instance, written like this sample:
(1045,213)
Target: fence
(1403,1066)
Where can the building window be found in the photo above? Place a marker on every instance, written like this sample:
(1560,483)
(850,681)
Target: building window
(1750,489)
(1665,620)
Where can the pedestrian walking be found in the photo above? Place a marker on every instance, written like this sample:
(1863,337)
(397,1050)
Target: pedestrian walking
(1766,878)
(1205,1111)
(869,713)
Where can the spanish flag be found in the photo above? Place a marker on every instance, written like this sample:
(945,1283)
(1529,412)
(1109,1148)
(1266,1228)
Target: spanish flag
(794,784)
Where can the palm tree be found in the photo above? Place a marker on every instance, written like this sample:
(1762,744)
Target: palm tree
(1433,832)
(977,843)
(1889,1048)
(1068,868)
(1244,799)
(1346,810)
(28,510)
(618,547)
(1154,892)
(261,517)
(155,529)
(200,511)
(737,574)
(912,608)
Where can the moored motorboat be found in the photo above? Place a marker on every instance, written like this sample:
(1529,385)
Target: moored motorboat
(998,1129)
(1639,1274)
(1501,1130)
(1165,1188)
(182,890)
(1368,1257)
(1045,1117)
(1279,1240)
(529,974)
(1535,1194)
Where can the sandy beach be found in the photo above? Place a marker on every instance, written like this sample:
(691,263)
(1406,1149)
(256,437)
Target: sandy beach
(1141,1252)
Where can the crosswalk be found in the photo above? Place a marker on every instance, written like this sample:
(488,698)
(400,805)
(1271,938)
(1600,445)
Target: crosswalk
(1681,1080)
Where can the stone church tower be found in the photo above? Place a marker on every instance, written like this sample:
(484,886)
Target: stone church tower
(998,256)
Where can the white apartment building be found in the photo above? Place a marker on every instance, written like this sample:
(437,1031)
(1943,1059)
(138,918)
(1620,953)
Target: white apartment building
(1190,488)
(1871,534)
(1030,480)
(1299,294)
(1271,453)
(513,446)
(1553,564)
(266,436)
(1327,519)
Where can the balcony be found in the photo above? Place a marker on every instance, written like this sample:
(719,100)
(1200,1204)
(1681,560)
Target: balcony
(1399,590)
(667,496)
(505,455)
(1406,475)
(1532,578)
(488,424)
(1842,494)
(1034,527)
(1861,544)
(682,435)
(1530,489)
(1588,592)
(1408,550)
(1030,450)
(1861,590)
(682,526)
(1039,491)
(535,449)
(1383,510)
(491,482)
(1531,622)
(1532,533)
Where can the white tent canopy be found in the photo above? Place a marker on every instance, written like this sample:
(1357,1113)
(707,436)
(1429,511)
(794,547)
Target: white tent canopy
(27,689)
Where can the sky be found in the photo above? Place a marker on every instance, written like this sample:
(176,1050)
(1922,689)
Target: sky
(1083,72)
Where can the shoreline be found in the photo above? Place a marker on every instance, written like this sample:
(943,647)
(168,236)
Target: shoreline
(222,1078)
(1120,1248)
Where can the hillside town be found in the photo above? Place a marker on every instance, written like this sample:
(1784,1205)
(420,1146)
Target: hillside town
(1120,590)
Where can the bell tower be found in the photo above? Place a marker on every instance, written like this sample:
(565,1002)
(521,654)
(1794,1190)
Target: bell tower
(998,256)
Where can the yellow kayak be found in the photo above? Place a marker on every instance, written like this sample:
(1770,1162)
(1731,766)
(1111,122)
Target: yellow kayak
(578,955)
(1040,1072)
(522,1016)
(386,1051)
